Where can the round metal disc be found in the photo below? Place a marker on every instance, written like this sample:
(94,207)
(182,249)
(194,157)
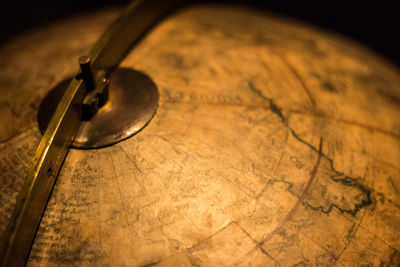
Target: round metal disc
(132,103)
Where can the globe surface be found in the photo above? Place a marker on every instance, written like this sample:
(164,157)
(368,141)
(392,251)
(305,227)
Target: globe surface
(274,143)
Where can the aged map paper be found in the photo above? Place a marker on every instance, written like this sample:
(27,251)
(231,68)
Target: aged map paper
(274,144)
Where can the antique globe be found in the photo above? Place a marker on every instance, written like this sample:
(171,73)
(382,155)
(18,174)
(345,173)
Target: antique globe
(269,143)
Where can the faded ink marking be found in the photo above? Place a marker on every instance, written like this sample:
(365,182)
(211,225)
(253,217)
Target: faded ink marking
(346,180)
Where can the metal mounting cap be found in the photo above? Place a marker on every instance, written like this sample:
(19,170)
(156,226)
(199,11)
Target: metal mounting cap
(132,103)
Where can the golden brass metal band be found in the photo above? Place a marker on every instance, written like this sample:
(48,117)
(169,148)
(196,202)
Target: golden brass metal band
(135,21)
(106,54)
(41,177)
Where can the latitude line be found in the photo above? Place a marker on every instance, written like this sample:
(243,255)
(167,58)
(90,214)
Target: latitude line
(299,201)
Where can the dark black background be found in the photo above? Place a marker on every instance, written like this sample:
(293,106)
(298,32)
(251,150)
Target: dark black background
(373,23)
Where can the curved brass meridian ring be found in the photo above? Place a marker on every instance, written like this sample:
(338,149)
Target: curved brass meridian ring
(135,21)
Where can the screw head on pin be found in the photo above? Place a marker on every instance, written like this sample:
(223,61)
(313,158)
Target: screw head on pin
(87,74)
